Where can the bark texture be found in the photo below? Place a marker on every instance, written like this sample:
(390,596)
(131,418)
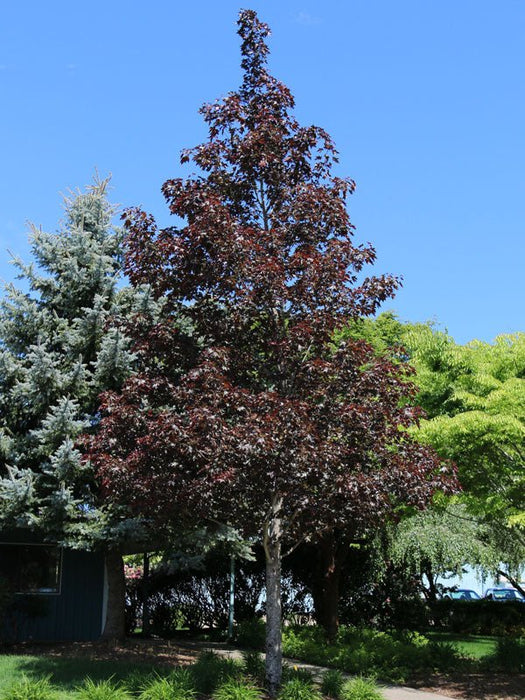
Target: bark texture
(115,626)
(274,654)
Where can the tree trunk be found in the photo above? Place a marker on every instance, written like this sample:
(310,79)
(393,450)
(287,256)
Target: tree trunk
(274,654)
(115,626)
(331,556)
(432,590)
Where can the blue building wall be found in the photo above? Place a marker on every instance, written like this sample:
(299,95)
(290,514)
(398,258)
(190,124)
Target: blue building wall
(73,614)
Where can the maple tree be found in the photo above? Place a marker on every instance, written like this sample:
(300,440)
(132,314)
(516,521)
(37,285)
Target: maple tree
(247,413)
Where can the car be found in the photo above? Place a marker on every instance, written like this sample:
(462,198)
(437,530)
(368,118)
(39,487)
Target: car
(504,595)
(461,594)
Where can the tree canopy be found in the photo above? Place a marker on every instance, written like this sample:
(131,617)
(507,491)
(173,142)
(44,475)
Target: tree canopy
(474,395)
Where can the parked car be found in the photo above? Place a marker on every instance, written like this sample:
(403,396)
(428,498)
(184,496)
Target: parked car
(462,594)
(504,595)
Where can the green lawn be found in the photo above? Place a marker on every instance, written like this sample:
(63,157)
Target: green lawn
(65,674)
(474,646)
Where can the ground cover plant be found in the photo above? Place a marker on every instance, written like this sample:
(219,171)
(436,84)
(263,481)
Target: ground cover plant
(30,689)
(400,656)
(107,689)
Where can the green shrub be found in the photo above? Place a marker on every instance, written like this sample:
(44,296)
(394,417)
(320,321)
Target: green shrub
(178,685)
(254,665)
(182,678)
(332,683)
(443,656)
(101,690)
(296,672)
(237,689)
(251,633)
(360,689)
(210,671)
(509,655)
(392,656)
(29,689)
(137,680)
(298,689)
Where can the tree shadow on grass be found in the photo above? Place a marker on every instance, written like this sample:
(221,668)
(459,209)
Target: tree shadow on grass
(68,674)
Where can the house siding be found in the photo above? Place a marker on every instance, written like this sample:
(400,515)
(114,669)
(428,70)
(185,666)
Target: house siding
(74,614)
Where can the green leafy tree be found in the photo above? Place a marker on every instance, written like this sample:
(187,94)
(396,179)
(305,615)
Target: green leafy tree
(474,396)
(438,542)
(58,350)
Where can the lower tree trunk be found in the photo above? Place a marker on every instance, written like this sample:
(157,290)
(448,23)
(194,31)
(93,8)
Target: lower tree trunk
(432,590)
(331,556)
(115,626)
(274,654)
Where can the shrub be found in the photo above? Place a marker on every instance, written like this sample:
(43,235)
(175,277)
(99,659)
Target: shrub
(251,633)
(182,678)
(298,689)
(210,671)
(102,690)
(137,680)
(29,689)
(483,617)
(237,689)
(179,685)
(254,665)
(360,689)
(332,683)
(509,655)
(295,672)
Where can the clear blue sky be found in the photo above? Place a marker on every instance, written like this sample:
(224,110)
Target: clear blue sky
(425,101)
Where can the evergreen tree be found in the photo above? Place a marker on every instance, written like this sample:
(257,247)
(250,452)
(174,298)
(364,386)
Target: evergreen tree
(59,348)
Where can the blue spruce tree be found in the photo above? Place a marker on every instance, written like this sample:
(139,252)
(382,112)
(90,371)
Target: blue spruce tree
(59,348)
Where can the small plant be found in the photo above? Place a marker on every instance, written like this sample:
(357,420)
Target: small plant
(443,656)
(509,655)
(298,689)
(179,685)
(210,671)
(102,690)
(332,683)
(237,689)
(30,689)
(292,672)
(182,679)
(136,681)
(253,665)
(360,689)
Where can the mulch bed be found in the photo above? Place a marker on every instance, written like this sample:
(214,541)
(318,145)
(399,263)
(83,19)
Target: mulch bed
(466,686)
(475,686)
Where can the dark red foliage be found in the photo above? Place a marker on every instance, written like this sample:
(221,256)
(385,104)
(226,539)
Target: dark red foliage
(264,408)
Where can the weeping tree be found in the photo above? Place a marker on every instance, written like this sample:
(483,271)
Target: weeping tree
(59,348)
(255,418)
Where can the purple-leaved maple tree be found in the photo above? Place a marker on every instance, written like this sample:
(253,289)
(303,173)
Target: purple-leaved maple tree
(248,413)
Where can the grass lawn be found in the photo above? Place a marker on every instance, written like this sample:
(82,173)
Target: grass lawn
(472,645)
(65,674)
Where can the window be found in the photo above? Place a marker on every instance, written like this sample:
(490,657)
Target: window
(31,568)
